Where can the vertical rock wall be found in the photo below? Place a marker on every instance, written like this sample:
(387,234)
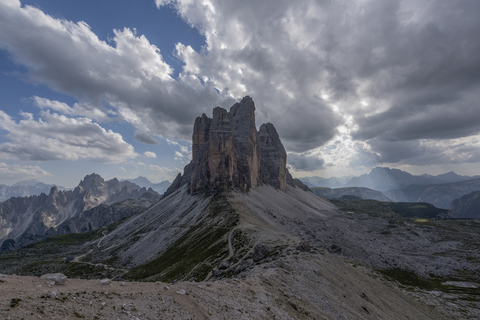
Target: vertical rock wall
(228,152)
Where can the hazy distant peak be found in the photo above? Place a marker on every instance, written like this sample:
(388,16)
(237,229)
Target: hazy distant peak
(27,183)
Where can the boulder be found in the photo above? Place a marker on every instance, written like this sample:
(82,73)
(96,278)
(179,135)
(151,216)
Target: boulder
(3,277)
(105,282)
(261,251)
(223,265)
(246,264)
(58,278)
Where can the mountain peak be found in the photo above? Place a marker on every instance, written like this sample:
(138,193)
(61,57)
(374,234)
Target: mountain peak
(27,183)
(228,152)
(91,182)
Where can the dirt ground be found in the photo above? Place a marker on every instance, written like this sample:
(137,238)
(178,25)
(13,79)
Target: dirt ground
(301,286)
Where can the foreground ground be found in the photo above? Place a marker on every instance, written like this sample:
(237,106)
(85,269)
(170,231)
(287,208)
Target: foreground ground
(316,285)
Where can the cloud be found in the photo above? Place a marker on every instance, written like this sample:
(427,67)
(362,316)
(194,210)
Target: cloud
(18,172)
(57,137)
(78,109)
(127,74)
(399,76)
(303,162)
(149,154)
(391,70)
(145,138)
(178,154)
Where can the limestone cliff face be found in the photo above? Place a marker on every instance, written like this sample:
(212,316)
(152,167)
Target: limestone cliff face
(228,152)
(273,157)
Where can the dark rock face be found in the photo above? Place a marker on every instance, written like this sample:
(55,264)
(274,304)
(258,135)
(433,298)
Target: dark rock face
(301,185)
(273,157)
(228,152)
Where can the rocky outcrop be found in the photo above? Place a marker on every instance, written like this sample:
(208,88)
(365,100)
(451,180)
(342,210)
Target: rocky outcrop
(228,152)
(273,157)
(25,220)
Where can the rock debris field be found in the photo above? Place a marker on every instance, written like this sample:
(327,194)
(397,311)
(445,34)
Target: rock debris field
(304,285)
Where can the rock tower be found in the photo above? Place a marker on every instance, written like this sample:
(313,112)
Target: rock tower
(228,152)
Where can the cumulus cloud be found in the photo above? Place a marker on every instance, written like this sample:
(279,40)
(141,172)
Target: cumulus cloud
(400,76)
(18,172)
(393,70)
(149,154)
(78,109)
(129,75)
(57,137)
(145,138)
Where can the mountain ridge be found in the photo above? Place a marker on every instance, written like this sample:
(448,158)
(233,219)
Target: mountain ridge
(27,220)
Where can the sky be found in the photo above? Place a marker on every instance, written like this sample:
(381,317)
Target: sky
(113,87)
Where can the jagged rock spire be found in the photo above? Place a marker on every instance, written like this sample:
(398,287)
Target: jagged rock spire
(228,152)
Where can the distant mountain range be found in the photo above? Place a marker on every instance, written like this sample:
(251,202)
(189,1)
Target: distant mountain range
(333,182)
(399,186)
(24,220)
(384,179)
(25,189)
(440,195)
(467,206)
(144,182)
(360,192)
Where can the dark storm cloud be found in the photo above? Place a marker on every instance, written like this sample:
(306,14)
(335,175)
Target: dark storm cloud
(145,138)
(428,79)
(391,71)
(304,162)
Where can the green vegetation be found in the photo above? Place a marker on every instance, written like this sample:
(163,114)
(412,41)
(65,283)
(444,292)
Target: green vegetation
(14,302)
(71,238)
(411,279)
(197,250)
(420,210)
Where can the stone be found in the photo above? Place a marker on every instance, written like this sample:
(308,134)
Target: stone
(223,265)
(261,251)
(301,185)
(246,264)
(228,152)
(303,246)
(181,291)
(53,294)
(104,282)
(273,157)
(217,273)
(3,277)
(58,278)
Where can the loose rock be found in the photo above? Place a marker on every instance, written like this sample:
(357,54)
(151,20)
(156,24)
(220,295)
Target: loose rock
(223,265)
(261,251)
(58,278)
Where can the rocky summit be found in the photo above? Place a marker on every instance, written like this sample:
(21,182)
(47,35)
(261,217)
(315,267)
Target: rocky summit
(228,152)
